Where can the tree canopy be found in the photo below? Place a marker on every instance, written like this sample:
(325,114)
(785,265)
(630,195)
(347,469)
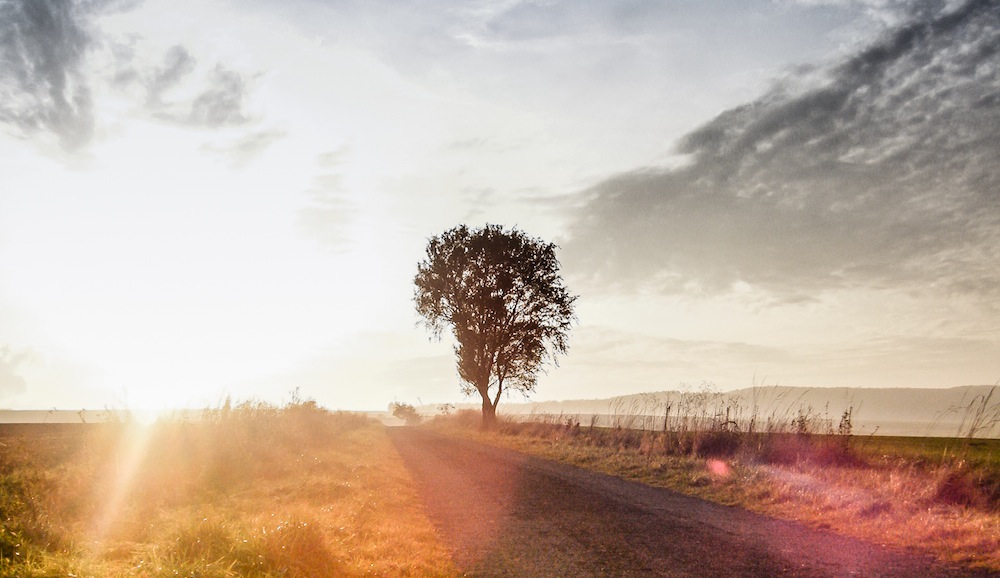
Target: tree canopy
(500,293)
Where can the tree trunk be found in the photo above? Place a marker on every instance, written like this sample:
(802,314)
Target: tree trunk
(489,414)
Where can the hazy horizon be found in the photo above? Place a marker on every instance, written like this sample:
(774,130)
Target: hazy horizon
(229,198)
(921,412)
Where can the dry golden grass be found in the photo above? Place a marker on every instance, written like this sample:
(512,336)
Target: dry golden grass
(896,506)
(247,491)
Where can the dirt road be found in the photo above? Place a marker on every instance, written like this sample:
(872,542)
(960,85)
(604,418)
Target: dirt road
(507,514)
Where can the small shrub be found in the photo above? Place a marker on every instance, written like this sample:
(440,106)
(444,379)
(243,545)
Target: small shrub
(11,545)
(716,444)
(788,449)
(466,419)
(962,485)
(203,539)
(297,549)
(405,412)
(846,425)
(875,509)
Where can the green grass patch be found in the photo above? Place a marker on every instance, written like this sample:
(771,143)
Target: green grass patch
(931,450)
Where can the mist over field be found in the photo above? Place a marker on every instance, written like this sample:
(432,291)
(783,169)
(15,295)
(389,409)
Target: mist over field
(946,412)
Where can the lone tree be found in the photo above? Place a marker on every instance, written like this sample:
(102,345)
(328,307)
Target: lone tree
(501,294)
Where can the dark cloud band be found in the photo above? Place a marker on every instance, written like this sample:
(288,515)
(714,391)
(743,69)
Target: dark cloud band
(42,46)
(876,172)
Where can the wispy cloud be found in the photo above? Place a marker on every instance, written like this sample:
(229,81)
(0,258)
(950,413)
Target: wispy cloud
(330,210)
(879,171)
(11,382)
(607,347)
(246,147)
(177,64)
(221,93)
(221,103)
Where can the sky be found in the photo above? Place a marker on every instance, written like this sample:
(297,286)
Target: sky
(228,198)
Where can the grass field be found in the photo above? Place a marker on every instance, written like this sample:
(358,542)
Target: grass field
(251,490)
(941,496)
(978,452)
(294,491)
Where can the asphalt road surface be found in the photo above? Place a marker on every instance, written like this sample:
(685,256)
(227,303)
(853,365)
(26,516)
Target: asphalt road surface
(503,513)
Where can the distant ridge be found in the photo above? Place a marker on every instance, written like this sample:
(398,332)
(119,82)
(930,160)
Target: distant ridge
(54,416)
(88,415)
(903,411)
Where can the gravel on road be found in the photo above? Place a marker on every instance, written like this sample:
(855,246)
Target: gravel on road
(503,513)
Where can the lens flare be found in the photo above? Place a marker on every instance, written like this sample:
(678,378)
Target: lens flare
(718,468)
(130,452)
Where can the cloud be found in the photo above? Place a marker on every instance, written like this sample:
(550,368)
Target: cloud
(247,146)
(221,104)
(221,93)
(606,347)
(42,47)
(358,375)
(11,383)
(330,211)
(600,22)
(177,64)
(45,87)
(878,171)
(645,361)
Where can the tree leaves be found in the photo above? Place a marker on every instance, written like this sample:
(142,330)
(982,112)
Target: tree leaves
(501,294)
